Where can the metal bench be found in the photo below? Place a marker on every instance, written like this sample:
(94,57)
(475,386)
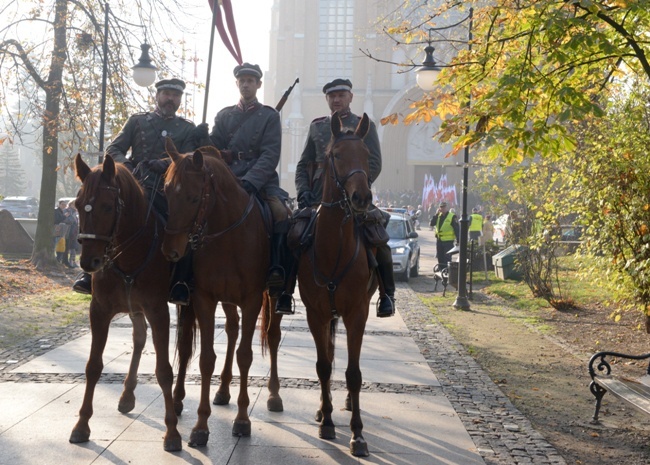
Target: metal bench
(635,391)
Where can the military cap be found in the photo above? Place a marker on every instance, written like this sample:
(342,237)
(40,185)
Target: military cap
(247,68)
(172,84)
(336,85)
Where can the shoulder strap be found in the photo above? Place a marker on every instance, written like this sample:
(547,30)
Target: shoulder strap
(244,118)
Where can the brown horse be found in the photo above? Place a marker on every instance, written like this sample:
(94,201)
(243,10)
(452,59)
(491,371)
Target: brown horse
(334,274)
(120,246)
(210,211)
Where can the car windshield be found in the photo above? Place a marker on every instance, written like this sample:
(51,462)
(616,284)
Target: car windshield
(396,229)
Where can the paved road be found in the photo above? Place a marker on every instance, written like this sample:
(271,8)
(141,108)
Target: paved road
(424,401)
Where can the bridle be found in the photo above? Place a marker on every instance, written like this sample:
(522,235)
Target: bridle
(109,239)
(345,203)
(111,252)
(196,229)
(331,282)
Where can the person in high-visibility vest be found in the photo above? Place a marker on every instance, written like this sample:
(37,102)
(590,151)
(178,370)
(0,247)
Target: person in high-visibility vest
(447,231)
(475,225)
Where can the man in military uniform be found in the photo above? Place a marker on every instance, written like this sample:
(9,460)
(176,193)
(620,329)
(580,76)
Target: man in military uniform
(249,137)
(144,134)
(309,180)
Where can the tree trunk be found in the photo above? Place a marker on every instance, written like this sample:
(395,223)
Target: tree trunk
(43,253)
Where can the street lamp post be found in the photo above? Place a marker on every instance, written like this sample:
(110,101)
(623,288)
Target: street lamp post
(144,74)
(426,77)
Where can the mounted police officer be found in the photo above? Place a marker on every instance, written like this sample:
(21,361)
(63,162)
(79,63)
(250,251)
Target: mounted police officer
(144,135)
(249,137)
(309,181)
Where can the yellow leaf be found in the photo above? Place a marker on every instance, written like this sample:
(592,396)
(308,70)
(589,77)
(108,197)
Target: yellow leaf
(617,318)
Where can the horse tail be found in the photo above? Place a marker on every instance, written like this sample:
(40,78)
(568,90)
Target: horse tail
(185,316)
(334,324)
(266,322)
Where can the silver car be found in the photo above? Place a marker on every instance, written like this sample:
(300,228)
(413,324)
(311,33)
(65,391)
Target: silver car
(20,207)
(404,246)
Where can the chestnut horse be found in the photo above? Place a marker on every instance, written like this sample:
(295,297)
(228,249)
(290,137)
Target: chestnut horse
(334,274)
(120,246)
(213,214)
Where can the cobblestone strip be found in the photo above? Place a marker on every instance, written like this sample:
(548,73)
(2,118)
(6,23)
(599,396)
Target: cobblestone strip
(499,430)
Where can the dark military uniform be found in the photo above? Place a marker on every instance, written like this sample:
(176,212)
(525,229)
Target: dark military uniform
(309,171)
(255,141)
(145,133)
(309,179)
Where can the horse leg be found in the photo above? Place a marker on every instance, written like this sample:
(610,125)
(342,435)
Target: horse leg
(274,402)
(324,358)
(159,322)
(99,323)
(127,399)
(205,314)
(222,396)
(184,344)
(242,424)
(353,379)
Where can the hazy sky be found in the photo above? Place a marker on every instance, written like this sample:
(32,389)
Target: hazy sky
(253,21)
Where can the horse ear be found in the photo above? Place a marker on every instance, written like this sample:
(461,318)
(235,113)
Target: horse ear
(81,168)
(108,168)
(197,159)
(363,126)
(335,125)
(171,149)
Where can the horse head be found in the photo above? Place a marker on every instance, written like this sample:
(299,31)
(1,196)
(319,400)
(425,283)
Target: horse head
(347,160)
(186,190)
(99,206)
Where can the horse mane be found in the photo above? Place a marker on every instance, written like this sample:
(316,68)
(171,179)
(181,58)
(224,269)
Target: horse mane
(345,131)
(130,190)
(212,159)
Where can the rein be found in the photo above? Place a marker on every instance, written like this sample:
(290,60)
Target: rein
(113,251)
(196,236)
(332,282)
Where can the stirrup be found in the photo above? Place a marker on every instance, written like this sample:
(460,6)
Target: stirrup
(385,312)
(180,294)
(83,284)
(284,309)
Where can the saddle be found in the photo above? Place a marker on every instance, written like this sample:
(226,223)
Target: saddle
(301,229)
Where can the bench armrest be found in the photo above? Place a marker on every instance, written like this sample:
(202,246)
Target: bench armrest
(599,363)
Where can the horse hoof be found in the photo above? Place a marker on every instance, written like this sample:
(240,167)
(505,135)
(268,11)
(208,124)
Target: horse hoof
(126,405)
(327,432)
(274,404)
(319,416)
(178,408)
(241,428)
(77,437)
(198,438)
(221,399)
(359,447)
(173,445)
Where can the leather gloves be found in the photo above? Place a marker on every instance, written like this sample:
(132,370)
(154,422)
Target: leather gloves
(157,166)
(129,165)
(306,199)
(200,133)
(249,187)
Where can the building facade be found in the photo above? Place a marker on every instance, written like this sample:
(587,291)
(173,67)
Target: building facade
(317,41)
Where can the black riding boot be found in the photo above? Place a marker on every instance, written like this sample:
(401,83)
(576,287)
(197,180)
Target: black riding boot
(83,284)
(181,280)
(386,304)
(284,304)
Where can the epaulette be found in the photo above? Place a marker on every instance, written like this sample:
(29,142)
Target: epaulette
(186,120)
(269,106)
(320,120)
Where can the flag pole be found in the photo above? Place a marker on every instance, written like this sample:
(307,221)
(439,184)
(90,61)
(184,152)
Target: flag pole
(215,11)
